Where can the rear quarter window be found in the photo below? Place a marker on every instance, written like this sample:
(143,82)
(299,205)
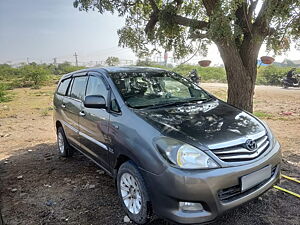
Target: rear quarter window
(63,86)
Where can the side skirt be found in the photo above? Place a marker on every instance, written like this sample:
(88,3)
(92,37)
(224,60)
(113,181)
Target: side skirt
(90,158)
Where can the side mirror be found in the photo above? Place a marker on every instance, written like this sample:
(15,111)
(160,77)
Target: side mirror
(95,101)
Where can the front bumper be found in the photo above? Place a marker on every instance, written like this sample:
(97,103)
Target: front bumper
(205,186)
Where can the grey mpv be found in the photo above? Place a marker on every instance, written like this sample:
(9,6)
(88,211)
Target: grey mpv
(172,148)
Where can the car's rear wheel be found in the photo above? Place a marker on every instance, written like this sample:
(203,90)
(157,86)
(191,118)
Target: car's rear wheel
(64,149)
(133,193)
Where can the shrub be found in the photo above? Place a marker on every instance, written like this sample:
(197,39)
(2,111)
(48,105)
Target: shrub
(35,74)
(3,93)
(7,72)
(272,75)
(64,68)
(212,74)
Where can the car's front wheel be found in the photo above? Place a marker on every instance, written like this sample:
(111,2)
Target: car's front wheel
(133,193)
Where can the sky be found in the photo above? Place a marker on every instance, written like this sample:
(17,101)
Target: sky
(40,30)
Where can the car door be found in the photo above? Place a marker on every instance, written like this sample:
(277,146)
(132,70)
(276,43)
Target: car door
(94,122)
(72,104)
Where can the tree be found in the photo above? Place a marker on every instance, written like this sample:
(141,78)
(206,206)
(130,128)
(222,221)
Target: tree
(112,61)
(237,27)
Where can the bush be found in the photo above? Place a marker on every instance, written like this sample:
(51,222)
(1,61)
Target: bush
(64,68)
(208,74)
(7,72)
(3,93)
(272,75)
(35,74)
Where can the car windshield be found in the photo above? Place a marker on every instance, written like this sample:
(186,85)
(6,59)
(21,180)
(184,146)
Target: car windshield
(156,89)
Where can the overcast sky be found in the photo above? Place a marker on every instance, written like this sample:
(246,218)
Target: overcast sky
(44,29)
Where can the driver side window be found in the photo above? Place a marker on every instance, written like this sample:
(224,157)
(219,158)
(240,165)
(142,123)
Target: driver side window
(96,86)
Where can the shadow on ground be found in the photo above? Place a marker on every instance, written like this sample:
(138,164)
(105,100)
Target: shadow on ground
(39,187)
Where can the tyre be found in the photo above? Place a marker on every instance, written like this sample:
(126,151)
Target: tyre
(133,193)
(64,149)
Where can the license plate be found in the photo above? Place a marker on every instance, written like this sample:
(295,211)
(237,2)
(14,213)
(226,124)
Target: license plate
(255,178)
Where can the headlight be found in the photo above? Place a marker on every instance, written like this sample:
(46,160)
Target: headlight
(183,155)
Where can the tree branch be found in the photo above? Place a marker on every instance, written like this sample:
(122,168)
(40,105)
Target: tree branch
(153,17)
(154,6)
(180,20)
(210,5)
(151,23)
(242,17)
(251,9)
(193,23)
(198,35)
(264,17)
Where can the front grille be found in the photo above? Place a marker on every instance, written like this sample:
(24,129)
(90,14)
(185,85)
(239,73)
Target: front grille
(235,192)
(240,153)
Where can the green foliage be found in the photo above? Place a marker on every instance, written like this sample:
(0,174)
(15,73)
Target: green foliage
(176,25)
(7,72)
(112,61)
(3,93)
(64,68)
(263,115)
(148,63)
(267,75)
(271,75)
(33,75)
(208,74)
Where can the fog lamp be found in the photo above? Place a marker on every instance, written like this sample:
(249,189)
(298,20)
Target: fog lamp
(190,206)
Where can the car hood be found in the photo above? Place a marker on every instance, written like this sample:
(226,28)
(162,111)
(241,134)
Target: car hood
(212,124)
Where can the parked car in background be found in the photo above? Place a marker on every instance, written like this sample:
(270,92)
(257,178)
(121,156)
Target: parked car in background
(172,148)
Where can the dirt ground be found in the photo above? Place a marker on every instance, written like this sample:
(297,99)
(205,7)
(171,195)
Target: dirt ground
(39,187)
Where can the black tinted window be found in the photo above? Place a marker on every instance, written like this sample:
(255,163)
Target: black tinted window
(78,87)
(63,86)
(96,86)
(114,104)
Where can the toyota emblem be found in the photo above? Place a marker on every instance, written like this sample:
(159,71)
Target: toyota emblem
(251,145)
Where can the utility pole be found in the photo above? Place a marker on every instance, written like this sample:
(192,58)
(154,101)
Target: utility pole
(54,61)
(76,58)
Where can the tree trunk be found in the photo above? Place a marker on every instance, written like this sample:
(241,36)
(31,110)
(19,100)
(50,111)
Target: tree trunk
(240,87)
(241,71)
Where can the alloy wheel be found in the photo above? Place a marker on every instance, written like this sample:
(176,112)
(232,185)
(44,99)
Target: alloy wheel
(131,193)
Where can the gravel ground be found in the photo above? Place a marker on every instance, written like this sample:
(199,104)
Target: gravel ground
(39,187)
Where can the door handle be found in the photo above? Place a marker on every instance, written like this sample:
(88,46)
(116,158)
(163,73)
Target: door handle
(63,105)
(116,126)
(82,113)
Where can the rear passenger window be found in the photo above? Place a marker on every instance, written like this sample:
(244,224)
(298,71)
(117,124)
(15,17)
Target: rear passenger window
(78,87)
(63,86)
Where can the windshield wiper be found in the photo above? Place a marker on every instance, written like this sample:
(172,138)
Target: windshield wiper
(202,100)
(155,106)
